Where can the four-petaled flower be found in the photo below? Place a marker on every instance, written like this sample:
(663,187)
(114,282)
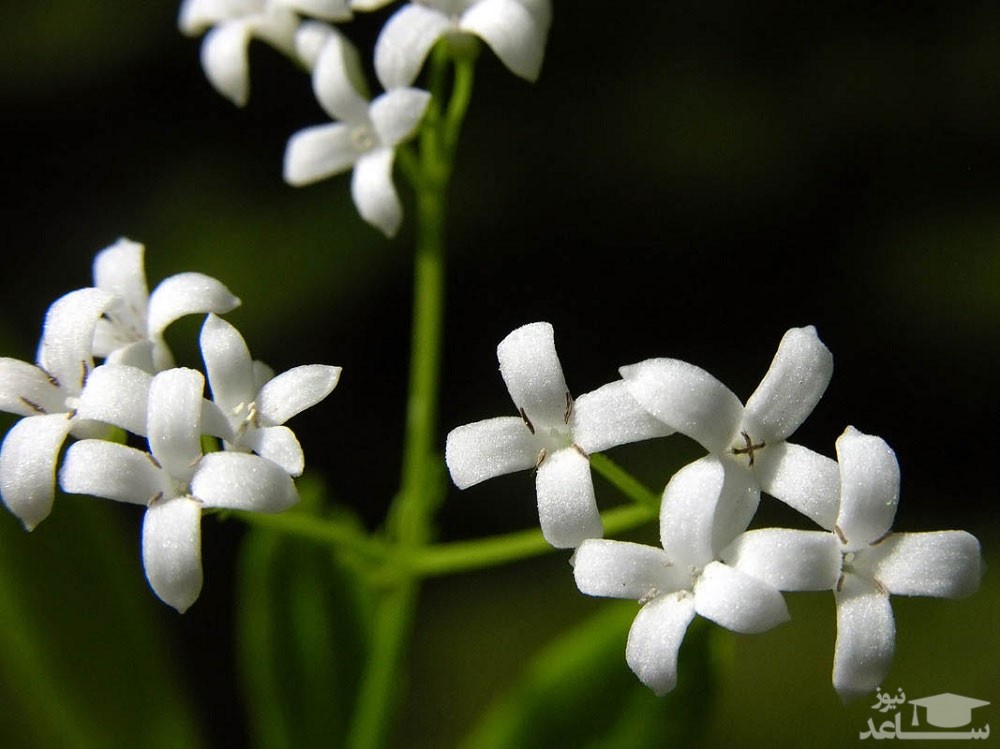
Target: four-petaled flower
(553,433)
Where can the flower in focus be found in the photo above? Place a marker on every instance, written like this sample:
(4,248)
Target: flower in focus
(696,404)
(131,330)
(365,137)
(553,433)
(705,505)
(515,30)
(174,481)
(256,402)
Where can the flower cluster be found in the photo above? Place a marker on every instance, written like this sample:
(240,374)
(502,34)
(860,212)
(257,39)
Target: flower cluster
(710,563)
(137,388)
(366,131)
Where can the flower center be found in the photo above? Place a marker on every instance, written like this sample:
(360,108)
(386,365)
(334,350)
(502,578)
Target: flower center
(749,447)
(363,138)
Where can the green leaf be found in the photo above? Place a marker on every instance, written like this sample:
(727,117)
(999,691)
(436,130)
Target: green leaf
(302,620)
(579,692)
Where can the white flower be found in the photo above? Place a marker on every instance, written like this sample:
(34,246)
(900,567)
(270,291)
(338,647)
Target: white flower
(515,30)
(47,396)
(553,433)
(696,404)
(365,138)
(175,481)
(863,562)
(705,505)
(131,331)
(255,401)
(234,23)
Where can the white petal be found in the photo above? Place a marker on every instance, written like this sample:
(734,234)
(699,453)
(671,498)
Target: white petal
(214,422)
(27,391)
(368,5)
(567,509)
(228,364)
(277,27)
(113,471)
(531,370)
(492,447)
(946,564)
(262,374)
(512,32)
(404,42)
(397,113)
(224,60)
(655,638)
(793,385)
(318,152)
(866,638)
(119,269)
(610,416)
(116,394)
(339,83)
(621,569)
(738,601)
(869,487)
(242,482)
(296,390)
(787,559)
(187,294)
(373,192)
(310,38)
(688,399)
(279,445)
(804,480)
(171,551)
(329,10)
(174,420)
(28,466)
(141,355)
(66,349)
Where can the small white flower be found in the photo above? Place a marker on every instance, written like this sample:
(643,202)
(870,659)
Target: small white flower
(47,397)
(696,404)
(553,433)
(131,331)
(365,138)
(515,30)
(704,506)
(863,562)
(175,481)
(256,402)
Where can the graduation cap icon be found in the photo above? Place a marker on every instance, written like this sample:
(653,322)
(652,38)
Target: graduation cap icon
(947,710)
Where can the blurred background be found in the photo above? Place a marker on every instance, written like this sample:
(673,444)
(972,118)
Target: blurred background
(685,179)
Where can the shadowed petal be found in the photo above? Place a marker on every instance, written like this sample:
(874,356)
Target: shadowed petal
(404,42)
(869,487)
(174,420)
(339,82)
(240,481)
(373,192)
(278,444)
(512,32)
(228,364)
(621,569)
(787,559)
(655,638)
(296,390)
(328,10)
(171,551)
(319,152)
(224,60)
(531,370)
(738,601)
(492,447)
(113,471)
(804,480)
(866,638)
(118,395)
(947,564)
(396,114)
(28,466)
(120,270)
(567,509)
(610,416)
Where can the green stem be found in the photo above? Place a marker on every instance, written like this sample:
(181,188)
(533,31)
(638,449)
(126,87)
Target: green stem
(624,482)
(319,530)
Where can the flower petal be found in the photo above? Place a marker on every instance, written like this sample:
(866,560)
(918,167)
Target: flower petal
(688,399)
(328,10)
(655,638)
(793,385)
(567,509)
(224,60)
(404,42)
(610,416)
(621,569)
(318,152)
(112,471)
(869,488)
(228,364)
(66,349)
(804,480)
(139,354)
(866,638)
(310,38)
(171,551)
(946,564)
(118,395)
(738,601)
(241,481)
(339,83)
(512,32)
(187,294)
(296,390)
(787,559)
(279,445)
(28,466)
(174,420)
(531,370)
(397,113)
(26,390)
(373,192)
(119,269)
(492,447)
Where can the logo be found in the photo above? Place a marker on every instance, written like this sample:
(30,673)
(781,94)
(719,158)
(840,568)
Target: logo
(948,711)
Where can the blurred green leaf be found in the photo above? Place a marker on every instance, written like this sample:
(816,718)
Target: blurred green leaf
(579,692)
(302,617)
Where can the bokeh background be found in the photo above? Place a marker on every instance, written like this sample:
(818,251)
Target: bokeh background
(685,179)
